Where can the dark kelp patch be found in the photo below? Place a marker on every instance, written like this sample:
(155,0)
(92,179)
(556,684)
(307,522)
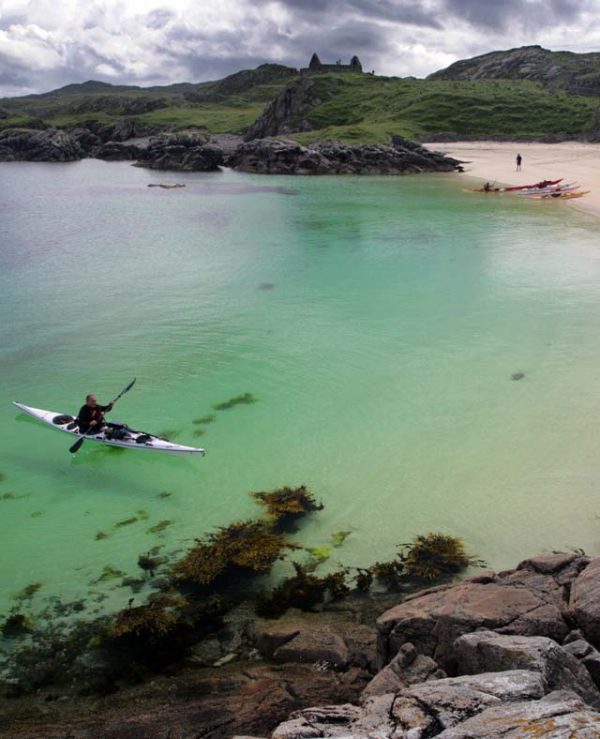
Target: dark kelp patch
(304,590)
(204,420)
(28,592)
(286,505)
(245,399)
(159,527)
(17,624)
(242,548)
(125,522)
(108,573)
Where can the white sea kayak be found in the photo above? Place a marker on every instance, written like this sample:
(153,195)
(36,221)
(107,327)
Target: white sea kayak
(112,434)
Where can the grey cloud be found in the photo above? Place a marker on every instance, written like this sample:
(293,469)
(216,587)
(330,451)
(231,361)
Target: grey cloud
(159,18)
(502,15)
(6,21)
(399,11)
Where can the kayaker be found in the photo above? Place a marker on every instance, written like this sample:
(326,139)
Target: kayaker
(91,415)
(487,186)
(519,160)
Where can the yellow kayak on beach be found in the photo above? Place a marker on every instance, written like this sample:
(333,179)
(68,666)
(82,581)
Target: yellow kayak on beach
(559,195)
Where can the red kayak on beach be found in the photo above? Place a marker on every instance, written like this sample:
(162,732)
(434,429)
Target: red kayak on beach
(539,185)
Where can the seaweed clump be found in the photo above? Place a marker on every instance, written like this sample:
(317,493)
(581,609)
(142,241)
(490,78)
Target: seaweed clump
(28,591)
(243,548)
(428,557)
(153,620)
(286,504)
(304,590)
(16,625)
(434,555)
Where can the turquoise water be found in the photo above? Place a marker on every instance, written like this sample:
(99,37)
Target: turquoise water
(377,321)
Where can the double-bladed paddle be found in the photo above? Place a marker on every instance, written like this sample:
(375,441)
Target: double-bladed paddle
(77,445)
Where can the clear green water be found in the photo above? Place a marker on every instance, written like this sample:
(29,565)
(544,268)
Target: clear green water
(377,321)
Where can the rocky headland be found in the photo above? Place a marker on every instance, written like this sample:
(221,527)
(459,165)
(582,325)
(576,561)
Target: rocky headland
(507,654)
(195,151)
(282,156)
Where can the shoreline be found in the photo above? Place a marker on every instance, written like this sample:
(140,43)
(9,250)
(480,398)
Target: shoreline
(495,161)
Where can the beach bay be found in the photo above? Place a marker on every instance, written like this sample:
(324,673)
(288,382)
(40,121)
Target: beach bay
(422,358)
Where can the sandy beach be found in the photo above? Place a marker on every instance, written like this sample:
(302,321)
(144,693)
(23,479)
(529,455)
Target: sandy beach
(495,161)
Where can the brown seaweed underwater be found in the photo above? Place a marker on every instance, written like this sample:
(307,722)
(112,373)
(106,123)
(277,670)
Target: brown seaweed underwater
(194,592)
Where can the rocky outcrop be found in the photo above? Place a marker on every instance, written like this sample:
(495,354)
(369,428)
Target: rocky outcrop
(560,670)
(288,113)
(576,73)
(51,145)
(507,682)
(557,715)
(240,82)
(585,602)
(532,600)
(326,640)
(476,669)
(280,156)
(188,151)
(508,704)
(118,104)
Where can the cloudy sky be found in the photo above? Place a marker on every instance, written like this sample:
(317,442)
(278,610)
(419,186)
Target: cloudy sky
(45,44)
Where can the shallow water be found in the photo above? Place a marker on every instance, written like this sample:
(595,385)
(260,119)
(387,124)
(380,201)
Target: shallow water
(378,322)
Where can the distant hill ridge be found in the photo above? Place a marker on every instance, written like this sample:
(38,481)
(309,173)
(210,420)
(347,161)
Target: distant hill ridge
(578,74)
(530,93)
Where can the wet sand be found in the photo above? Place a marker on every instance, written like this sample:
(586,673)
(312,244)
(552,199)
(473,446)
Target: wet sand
(495,161)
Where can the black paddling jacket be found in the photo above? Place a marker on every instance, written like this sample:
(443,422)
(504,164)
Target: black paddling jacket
(86,415)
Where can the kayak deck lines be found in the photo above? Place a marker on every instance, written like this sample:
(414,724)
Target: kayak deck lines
(113,434)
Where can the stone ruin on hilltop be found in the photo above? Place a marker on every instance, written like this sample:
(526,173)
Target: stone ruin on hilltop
(315,65)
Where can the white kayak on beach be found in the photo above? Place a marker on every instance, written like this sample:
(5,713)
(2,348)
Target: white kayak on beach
(113,434)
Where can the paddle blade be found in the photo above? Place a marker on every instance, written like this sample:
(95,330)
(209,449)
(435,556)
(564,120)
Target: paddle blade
(77,445)
(128,388)
(131,384)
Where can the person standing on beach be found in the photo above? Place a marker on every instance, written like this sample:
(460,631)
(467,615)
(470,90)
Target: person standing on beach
(519,160)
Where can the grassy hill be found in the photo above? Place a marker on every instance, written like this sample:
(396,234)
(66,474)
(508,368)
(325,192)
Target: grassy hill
(224,106)
(350,107)
(355,107)
(555,70)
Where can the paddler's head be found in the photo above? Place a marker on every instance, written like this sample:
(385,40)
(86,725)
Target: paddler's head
(91,400)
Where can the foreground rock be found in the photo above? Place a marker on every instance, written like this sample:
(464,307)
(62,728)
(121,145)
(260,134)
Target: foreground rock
(512,679)
(281,156)
(530,601)
(508,654)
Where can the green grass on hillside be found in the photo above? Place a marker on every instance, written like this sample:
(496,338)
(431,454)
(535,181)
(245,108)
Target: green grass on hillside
(357,108)
(362,107)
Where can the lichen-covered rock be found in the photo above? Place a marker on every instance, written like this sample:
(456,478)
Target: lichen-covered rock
(323,638)
(408,667)
(585,602)
(557,716)
(486,651)
(444,703)
(316,722)
(532,600)
(418,712)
